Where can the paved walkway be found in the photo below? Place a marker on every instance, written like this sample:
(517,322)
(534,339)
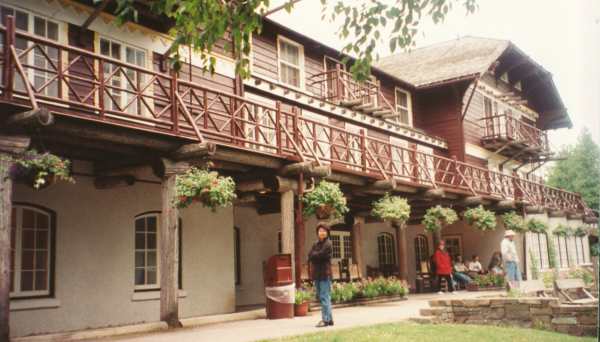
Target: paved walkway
(252,330)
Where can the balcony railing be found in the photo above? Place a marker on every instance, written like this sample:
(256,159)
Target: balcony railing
(506,128)
(78,83)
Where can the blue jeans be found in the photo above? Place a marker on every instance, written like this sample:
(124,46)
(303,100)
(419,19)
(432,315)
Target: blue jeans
(323,291)
(512,271)
(462,278)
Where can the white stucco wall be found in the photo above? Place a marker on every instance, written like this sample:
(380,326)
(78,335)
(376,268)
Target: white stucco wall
(95,258)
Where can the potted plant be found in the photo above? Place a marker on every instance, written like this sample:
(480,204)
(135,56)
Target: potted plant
(437,217)
(204,186)
(562,230)
(394,209)
(480,218)
(581,231)
(325,200)
(536,226)
(40,170)
(302,297)
(513,221)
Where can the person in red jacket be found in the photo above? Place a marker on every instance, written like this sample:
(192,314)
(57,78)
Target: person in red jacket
(443,266)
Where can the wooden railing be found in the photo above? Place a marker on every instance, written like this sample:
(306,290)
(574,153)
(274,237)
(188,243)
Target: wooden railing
(505,126)
(75,82)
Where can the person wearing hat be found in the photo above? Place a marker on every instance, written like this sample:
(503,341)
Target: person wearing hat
(511,259)
(320,259)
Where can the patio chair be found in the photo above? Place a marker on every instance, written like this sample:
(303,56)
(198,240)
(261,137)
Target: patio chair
(335,272)
(536,287)
(574,291)
(354,272)
(424,279)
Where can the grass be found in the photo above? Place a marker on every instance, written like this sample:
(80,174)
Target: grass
(412,332)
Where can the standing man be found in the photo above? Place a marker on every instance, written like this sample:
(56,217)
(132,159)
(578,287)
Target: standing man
(443,267)
(320,258)
(511,259)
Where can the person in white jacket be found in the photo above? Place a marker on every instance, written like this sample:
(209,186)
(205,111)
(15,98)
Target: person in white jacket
(511,259)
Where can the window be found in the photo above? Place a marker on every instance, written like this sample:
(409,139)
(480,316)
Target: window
(42,60)
(147,271)
(31,271)
(504,77)
(290,62)
(580,250)
(279,243)
(236,255)
(453,245)
(123,81)
(386,250)
(403,107)
(487,104)
(421,251)
(561,248)
(341,243)
(538,246)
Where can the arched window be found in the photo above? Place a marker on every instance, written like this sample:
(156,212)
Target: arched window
(147,253)
(32,251)
(421,250)
(386,250)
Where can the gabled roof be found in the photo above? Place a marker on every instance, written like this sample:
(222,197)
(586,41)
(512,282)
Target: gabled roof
(446,61)
(469,58)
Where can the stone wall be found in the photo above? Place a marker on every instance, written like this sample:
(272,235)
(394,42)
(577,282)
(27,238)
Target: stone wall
(540,313)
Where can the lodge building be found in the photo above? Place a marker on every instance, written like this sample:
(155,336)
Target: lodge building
(457,123)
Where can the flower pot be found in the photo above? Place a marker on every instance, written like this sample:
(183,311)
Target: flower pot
(301,309)
(472,287)
(29,177)
(324,211)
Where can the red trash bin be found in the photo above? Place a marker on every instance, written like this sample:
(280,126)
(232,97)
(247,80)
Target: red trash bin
(279,286)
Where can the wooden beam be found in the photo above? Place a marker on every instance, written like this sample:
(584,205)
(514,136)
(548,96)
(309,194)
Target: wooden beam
(434,193)
(5,238)
(94,14)
(299,232)
(34,118)
(194,151)
(247,158)
(14,144)
(169,247)
(112,182)
(557,213)
(506,205)
(534,209)
(472,201)
(402,252)
(307,168)
(287,225)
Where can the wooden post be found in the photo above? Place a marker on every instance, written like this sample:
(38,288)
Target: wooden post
(357,242)
(9,72)
(169,247)
(402,249)
(5,254)
(299,232)
(287,224)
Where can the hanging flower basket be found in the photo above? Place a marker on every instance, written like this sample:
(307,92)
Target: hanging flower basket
(206,187)
(480,218)
(324,201)
(581,231)
(513,221)
(40,170)
(563,230)
(437,217)
(393,209)
(536,226)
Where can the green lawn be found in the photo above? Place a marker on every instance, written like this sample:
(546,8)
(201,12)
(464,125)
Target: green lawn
(432,332)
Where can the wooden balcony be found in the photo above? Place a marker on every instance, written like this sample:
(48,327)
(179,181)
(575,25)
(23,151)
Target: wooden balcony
(340,87)
(76,83)
(514,138)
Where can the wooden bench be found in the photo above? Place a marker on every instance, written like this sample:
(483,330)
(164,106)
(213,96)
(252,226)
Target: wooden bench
(533,286)
(568,287)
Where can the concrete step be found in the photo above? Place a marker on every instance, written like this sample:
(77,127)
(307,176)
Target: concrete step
(350,103)
(432,311)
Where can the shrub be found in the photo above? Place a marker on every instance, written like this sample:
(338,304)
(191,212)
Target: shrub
(480,218)
(583,274)
(392,208)
(207,187)
(548,278)
(370,289)
(303,296)
(437,217)
(536,226)
(514,222)
(535,270)
(325,196)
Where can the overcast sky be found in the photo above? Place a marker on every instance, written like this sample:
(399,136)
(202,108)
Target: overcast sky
(562,35)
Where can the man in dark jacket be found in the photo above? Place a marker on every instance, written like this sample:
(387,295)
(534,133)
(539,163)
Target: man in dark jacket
(320,259)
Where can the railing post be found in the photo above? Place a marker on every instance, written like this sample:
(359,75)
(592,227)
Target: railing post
(174,102)
(278,127)
(296,123)
(338,83)
(9,72)
(101,87)
(363,150)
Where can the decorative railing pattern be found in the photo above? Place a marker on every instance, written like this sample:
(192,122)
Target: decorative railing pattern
(74,82)
(505,126)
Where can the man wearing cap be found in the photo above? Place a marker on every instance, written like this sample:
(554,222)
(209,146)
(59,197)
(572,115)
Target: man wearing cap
(511,259)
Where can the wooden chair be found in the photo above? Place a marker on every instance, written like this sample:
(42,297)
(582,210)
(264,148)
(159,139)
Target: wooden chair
(569,288)
(536,287)
(354,272)
(335,272)
(424,278)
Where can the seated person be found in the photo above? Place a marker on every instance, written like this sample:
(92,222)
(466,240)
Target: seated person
(495,265)
(460,271)
(475,265)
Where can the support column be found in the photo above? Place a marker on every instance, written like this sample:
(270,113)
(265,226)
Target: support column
(357,242)
(299,233)
(5,255)
(287,225)
(402,251)
(169,247)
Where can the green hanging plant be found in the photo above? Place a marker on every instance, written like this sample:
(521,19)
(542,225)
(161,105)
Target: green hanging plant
(40,169)
(204,186)
(480,218)
(581,231)
(325,200)
(514,222)
(536,226)
(562,230)
(437,217)
(391,208)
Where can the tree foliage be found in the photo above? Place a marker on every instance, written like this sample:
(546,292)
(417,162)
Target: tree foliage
(580,170)
(202,23)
